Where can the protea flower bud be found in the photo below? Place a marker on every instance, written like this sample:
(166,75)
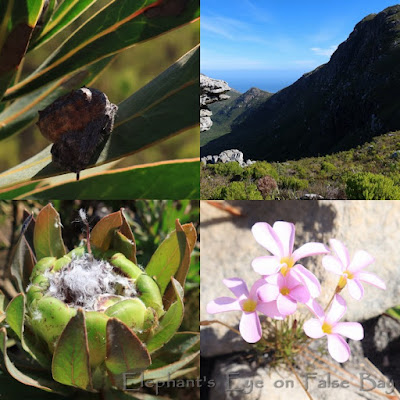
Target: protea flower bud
(93,314)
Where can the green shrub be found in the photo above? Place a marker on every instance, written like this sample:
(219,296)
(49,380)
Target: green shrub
(293,183)
(369,186)
(241,191)
(260,169)
(328,167)
(226,169)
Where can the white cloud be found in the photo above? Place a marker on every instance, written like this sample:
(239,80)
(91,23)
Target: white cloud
(327,52)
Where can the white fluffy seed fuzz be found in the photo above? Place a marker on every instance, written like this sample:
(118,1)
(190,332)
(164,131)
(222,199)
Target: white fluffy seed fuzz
(85,280)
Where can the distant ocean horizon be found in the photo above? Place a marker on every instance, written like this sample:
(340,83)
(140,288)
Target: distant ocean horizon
(270,81)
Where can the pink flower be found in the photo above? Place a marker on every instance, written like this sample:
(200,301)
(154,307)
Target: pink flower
(286,291)
(279,241)
(351,272)
(248,303)
(328,325)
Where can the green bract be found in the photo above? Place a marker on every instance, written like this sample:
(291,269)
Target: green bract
(92,315)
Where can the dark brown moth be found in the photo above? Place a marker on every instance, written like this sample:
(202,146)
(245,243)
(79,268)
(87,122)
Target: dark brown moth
(77,123)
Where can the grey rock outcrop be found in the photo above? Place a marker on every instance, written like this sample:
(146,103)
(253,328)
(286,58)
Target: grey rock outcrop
(227,156)
(211,91)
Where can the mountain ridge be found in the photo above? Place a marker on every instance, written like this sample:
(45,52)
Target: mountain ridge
(341,104)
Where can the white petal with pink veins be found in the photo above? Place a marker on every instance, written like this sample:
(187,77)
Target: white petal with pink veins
(341,251)
(285,232)
(223,304)
(372,279)
(337,310)
(266,237)
(352,330)
(338,348)
(250,327)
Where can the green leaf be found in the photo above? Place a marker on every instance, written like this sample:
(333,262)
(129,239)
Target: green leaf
(394,312)
(172,255)
(180,275)
(15,314)
(170,322)
(130,248)
(47,235)
(119,25)
(24,111)
(3,302)
(22,259)
(66,13)
(163,373)
(103,232)
(164,180)
(71,356)
(17,21)
(25,378)
(125,351)
(164,107)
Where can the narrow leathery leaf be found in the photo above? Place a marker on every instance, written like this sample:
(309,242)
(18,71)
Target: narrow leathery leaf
(103,232)
(127,232)
(125,352)
(44,18)
(161,374)
(24,111)
(3,302)
(71,356)
(168,258)
(47,235)
(23,377)
(170,322)
(96,333)
(67,12)
(149,293)
(177,179)
(22,257)
(15,314)
(181,343)
(124,245)
(125,266)
(161,109)
(182,271)
(16,27)
(36,348)
(118,26)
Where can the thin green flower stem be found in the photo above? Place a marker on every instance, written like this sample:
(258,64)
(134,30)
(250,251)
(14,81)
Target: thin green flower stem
(357,385)
(297,376)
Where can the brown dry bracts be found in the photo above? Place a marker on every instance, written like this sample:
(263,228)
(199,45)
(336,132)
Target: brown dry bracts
(77,123)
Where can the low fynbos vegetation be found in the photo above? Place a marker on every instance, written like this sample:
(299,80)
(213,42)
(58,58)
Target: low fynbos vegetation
(368,172)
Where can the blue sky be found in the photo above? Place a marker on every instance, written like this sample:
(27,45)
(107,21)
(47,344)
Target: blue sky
(271,43)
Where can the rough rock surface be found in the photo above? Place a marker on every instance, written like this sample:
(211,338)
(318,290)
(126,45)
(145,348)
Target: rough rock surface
(241,375)
(227,156)
(228,248)
(211,90)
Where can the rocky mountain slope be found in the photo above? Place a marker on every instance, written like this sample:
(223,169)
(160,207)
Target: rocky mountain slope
(339,105)
(232,111)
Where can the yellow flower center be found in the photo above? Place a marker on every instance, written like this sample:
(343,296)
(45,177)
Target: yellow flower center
(285,291)
(289,264)
(249,305)
(326,328)
(343,279)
